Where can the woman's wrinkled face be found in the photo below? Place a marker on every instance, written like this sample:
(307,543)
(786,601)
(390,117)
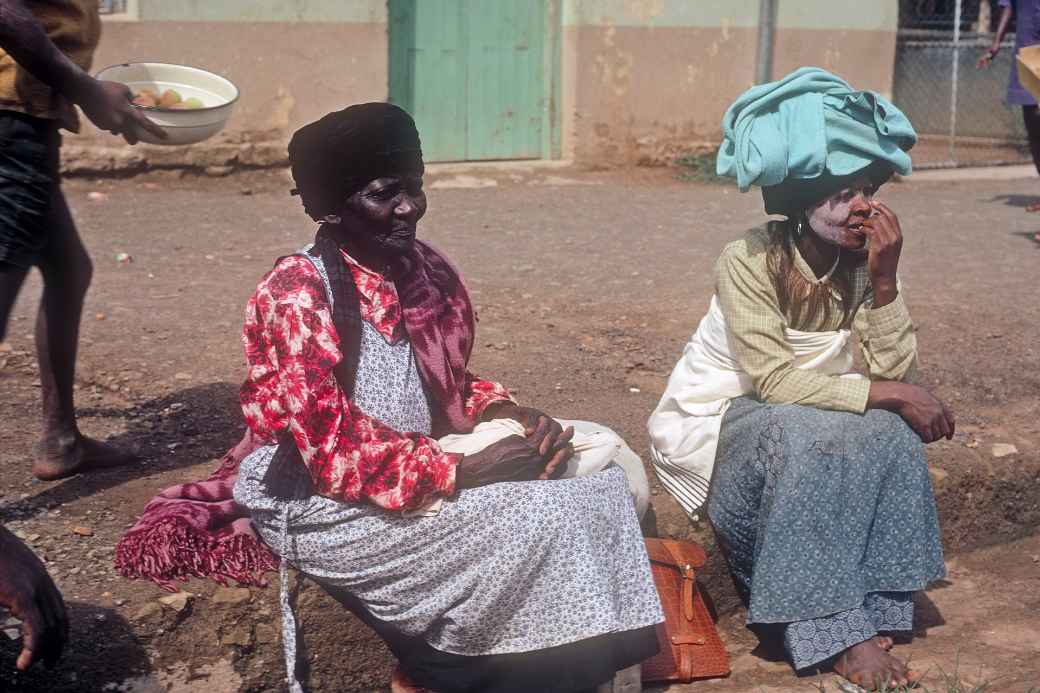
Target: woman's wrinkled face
(838,219)
(385,213)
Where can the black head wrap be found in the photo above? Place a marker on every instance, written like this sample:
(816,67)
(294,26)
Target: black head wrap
(336,156)
(794,195)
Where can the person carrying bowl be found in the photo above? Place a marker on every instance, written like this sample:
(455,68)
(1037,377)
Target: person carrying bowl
(813,476)
(45,50)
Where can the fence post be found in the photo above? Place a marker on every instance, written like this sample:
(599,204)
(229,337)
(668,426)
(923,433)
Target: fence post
(954,77)
(766,39)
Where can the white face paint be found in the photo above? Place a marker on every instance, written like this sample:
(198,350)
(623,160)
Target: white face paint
(828,219)
(836,220)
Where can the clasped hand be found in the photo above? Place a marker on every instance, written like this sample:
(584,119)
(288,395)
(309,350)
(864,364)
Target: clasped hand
(541,453)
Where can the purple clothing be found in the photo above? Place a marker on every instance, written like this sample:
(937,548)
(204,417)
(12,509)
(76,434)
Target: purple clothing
(1027,33)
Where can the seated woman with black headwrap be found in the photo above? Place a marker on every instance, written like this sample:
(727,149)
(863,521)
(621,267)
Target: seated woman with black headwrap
(819,490)
(357,349)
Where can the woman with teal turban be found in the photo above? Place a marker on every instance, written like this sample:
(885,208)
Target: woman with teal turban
(812,474)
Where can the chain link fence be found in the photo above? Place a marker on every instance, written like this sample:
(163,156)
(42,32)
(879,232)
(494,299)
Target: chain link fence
(958,111)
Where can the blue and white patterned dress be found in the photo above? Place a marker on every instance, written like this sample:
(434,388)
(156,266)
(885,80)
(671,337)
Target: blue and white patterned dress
(828,521)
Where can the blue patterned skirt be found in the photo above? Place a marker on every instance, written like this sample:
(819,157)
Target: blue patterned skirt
(827,520)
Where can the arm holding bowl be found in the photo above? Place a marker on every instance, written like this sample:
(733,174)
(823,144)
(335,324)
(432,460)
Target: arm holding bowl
(106,104)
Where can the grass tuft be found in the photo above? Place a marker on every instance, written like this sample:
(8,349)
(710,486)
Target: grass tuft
(699,168)
(948,682)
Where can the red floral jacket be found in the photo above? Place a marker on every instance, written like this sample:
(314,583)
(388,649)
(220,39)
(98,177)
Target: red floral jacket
(291,348)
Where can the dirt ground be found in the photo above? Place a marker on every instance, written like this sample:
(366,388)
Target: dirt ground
(587,285)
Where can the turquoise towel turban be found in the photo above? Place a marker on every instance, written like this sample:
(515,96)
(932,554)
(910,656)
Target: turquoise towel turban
(811,127)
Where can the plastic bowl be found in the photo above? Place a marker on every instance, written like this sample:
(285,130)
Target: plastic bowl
(188,126)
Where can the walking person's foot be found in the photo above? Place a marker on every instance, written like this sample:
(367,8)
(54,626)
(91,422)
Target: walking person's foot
(869,666)
(61,457)
(401,683)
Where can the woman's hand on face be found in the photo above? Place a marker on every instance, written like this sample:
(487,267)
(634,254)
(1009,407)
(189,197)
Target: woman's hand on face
(514,458)
(886,243)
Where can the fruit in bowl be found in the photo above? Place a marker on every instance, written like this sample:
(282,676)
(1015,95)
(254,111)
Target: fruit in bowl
(145,97)
(189,104)
(169,99)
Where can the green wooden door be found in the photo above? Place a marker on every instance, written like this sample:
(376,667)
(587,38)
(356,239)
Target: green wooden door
(473,74)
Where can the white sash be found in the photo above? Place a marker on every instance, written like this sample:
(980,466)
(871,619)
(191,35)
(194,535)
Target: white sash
(684,428)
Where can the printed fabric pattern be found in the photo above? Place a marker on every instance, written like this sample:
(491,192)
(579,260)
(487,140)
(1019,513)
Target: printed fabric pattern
(817,510)
(291,348)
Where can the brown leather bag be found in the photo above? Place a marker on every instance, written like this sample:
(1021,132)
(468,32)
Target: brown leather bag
(690,644)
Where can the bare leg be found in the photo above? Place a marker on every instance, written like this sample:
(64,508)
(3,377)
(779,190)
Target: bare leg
(11,280)
(1031,116)
(67,271)
(401,683)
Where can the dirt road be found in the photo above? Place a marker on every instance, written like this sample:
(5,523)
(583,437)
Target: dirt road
(587,285)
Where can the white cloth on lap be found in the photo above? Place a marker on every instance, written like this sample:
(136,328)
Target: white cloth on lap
(595,448)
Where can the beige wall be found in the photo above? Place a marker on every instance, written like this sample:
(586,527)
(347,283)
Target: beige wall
(865,58)
(642,83)
(646,94)
(641,80)
(288,72)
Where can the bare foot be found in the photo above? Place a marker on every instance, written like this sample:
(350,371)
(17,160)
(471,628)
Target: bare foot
(1034,207)
(884,642)
(57,458)
(400,683)
(868,665)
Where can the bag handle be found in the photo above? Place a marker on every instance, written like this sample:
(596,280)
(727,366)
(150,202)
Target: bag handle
(672,552)
(689,580)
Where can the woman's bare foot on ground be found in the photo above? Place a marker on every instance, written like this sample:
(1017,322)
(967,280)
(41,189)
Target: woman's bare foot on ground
(60,458)
(869,666)
(884,642)
(400,683)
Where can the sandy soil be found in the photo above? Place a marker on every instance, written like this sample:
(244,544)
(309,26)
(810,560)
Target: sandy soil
(587,284)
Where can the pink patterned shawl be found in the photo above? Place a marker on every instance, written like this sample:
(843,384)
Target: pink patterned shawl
(197,529)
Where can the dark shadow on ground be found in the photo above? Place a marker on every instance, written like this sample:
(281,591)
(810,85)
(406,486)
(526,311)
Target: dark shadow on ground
(926,613)
(103,649)
(770,645)
(1030,235)
(1016,200)
(177,430)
